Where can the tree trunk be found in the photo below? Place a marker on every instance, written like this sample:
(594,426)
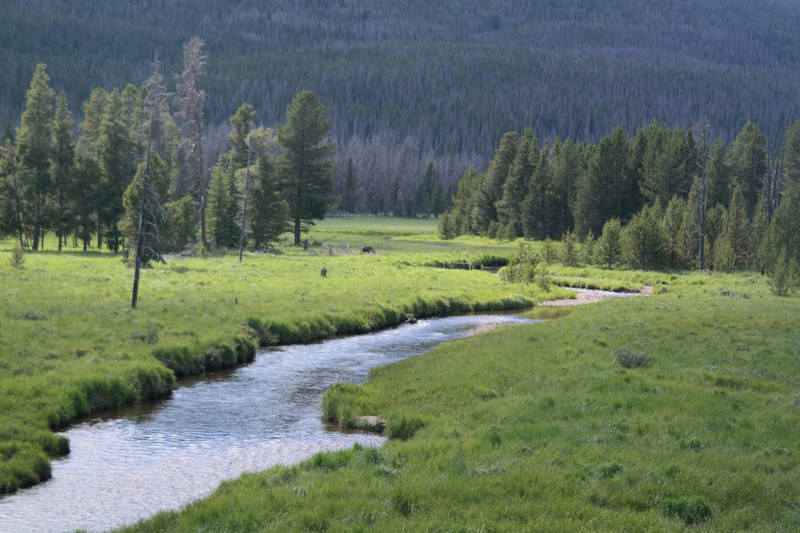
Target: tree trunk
(297,231)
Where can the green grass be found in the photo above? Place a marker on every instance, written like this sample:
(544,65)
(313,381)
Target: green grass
(539,427)
(71,345)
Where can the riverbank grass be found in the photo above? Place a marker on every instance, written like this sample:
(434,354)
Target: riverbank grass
(70,345)
(539,427)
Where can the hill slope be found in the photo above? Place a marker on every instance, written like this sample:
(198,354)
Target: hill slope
(456,75)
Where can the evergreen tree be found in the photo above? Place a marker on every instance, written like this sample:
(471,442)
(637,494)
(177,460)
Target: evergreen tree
(63,169)
(86,188)
(463,201)
(269,210)
(610,246)
(603,187)
(94,112)
(673,220)
(783,232)
(438,200)
(791,164)
(490,189)
(425,190)
(242,122)
(35,145)
(304,167)
(566,164)
(645,242)
(516,187)
(738,229)
(117,156)
(750,164)
(719,176)
(191,101)
(223,207)
(11,203)
(158,186)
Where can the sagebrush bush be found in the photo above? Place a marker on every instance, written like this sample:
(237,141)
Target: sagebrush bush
(631,359)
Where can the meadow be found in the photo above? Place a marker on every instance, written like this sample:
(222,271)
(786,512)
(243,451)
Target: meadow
(72,346)
(672,412)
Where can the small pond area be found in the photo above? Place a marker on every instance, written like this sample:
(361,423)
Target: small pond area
(130,464)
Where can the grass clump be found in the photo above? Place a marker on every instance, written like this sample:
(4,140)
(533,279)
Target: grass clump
(630,359)
(689,510)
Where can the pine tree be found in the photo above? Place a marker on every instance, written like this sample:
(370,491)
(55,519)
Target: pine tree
(604,187)
(750,164)
(269,210)
(645,242)
(304,167)
(490,189)
(191,101)
(35,145)
(223,207)
(609,248)
(425,190)
(63,169)
(117,157)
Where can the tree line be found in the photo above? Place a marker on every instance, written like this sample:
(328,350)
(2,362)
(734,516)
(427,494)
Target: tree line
(681,198)
(140,168)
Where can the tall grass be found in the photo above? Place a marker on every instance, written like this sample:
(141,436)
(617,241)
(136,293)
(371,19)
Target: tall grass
(538,427)
(70,345)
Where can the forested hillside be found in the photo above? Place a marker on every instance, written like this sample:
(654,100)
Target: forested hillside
(418,93)
(454,75)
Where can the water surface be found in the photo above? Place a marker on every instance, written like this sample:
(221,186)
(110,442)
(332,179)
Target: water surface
(133,463)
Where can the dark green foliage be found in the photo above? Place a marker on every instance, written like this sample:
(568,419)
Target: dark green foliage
(609,247)
(644,240)
(783,232)
(34,141)
(223,207)
(269,212)
(304,168)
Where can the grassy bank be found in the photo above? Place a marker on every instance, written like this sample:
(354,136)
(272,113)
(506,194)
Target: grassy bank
(540,428)
(70,345)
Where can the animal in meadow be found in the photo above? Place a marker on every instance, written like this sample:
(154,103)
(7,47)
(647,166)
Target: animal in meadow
(323,272)
(367,250)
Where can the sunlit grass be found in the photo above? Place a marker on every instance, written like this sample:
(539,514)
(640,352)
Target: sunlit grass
(71,345)
(539,427)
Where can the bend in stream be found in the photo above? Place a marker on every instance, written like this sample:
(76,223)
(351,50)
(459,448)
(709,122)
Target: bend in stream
(131,464)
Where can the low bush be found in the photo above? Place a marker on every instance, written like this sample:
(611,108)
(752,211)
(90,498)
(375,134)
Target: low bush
(630,359)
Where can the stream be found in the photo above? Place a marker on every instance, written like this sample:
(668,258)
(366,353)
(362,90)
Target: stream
(132,463)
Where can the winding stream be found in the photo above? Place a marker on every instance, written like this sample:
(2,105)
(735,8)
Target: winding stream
(131,464)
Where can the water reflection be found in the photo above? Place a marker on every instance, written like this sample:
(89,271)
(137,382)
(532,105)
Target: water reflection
(132,463)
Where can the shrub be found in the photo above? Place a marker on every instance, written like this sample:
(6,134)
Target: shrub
(17,258)
(785,276)
(569,249)
(630,359)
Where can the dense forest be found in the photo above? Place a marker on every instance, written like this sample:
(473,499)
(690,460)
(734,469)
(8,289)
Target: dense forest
(420,95)
(666,199)
(454,76)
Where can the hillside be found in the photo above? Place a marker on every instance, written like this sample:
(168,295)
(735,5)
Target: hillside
(454,75)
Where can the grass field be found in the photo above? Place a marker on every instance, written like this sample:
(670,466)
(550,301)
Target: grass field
(540,427)
(71,345)
(546,427)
